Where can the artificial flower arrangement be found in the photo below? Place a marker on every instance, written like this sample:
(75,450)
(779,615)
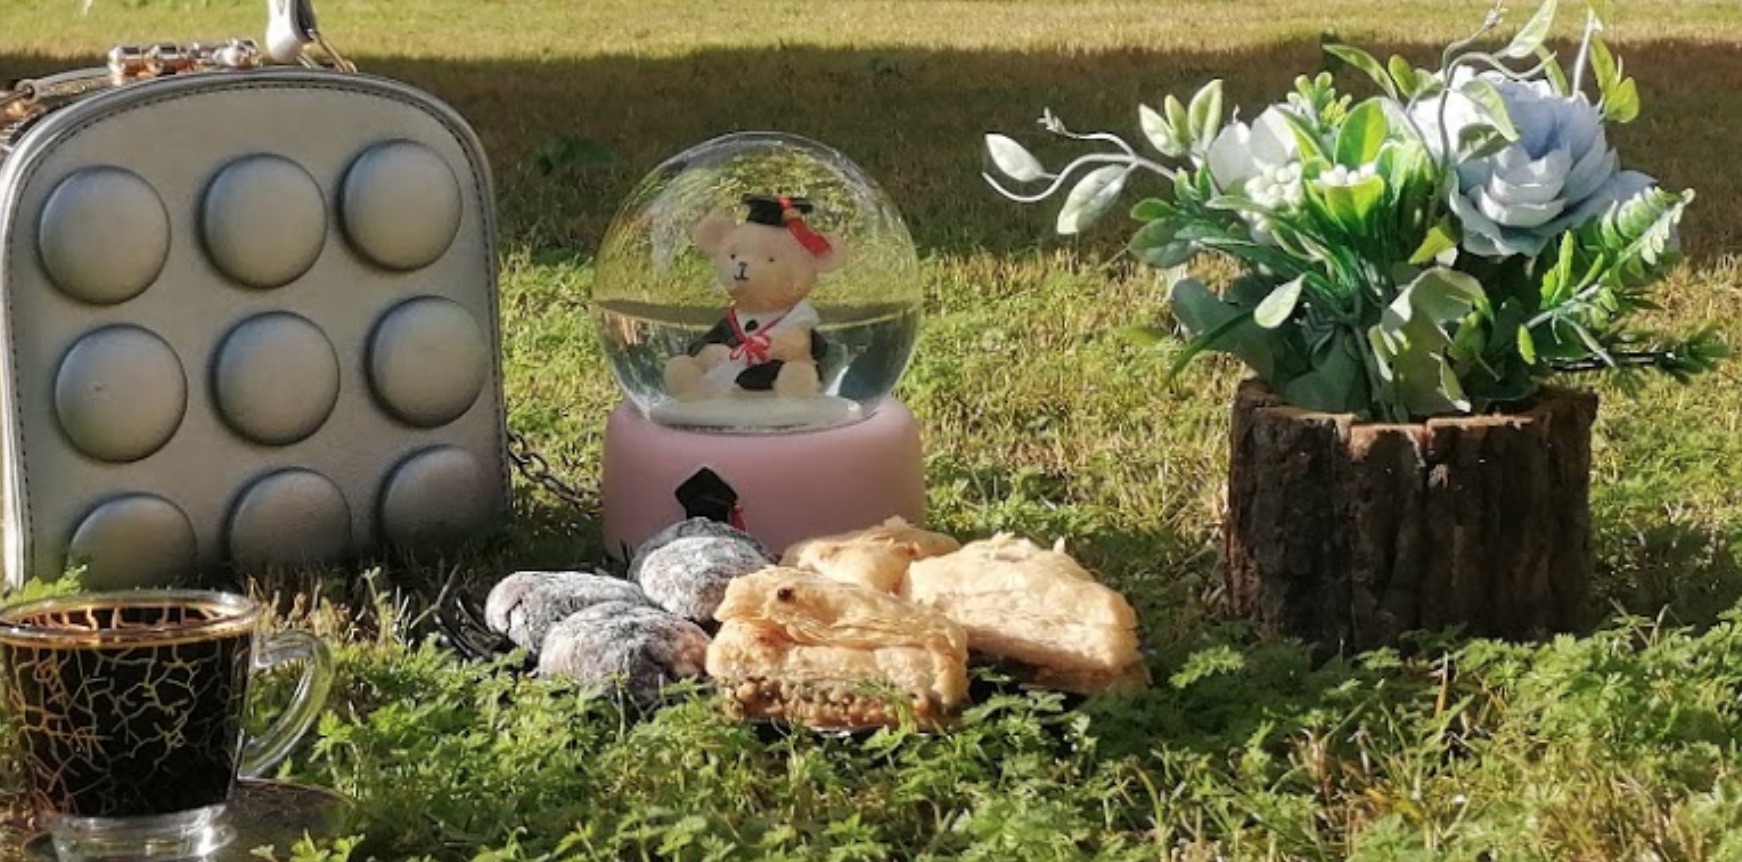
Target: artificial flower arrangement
(1440,248)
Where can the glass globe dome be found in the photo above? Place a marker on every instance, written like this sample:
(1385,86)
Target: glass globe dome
(727,258)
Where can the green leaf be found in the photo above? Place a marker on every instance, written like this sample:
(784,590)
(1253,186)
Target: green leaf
(1206,341)
(1236,203)
(1621,103)
(1092,196)
(1014,159)
(1450,390)
(1150,209)
(1479,141)
(1502,357)
(1349,206)
(1177,118)
(1363,132)
(1155,234)
(1413,334)
(1639,235)
(1158,131)
(1410,173)
(1526,345)
(1603,64)
(1305,136)
(1620,95)
(1337,382)
(1205,113)
(1553,345)
(1532,34)
(1405,75)
(1217,325)
(1469,342)
(1483,93)
(1279,305)
(1699,353)
(1591,343)
(1440,295)
(1247,291)
(1442,237)
(1385,348)
(1167,256)
(1557,281)
(1366,63)
(1551,68)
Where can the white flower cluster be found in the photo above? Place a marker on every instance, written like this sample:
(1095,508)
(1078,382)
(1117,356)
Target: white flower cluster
(1241,152)
(1345,177)
(1260,161)
(1277,187)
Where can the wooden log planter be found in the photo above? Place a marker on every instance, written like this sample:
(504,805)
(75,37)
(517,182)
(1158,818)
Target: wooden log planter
(1348,535)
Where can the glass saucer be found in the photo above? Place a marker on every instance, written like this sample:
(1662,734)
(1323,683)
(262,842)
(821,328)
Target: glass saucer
(261,813)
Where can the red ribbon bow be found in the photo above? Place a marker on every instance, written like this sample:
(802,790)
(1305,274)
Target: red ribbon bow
(754,346)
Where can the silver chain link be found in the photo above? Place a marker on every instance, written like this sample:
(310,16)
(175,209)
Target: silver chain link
(536,469)
(126,64)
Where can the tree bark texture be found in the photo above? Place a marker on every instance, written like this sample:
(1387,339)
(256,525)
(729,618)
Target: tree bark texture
(1348,535)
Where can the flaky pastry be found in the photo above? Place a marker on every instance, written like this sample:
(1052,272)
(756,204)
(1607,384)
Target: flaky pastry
(875,557)
(1021,602)
(799,647)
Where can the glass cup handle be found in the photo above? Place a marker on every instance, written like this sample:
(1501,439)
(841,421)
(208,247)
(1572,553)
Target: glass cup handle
(266,750)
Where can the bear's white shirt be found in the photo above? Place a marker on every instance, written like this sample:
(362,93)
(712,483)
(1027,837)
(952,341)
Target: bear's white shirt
(723,377)
(801,314)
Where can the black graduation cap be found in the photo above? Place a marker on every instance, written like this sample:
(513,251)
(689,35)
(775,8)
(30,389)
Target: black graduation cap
(706,495)
(767,209)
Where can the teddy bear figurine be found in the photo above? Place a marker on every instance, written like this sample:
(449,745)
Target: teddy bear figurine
(767,342)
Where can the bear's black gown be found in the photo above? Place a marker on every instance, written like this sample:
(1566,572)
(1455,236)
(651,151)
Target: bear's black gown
(759,377)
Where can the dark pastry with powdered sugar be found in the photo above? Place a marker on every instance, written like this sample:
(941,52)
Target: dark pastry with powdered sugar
(620,646)
(688,576)
(525,605)
(689,529)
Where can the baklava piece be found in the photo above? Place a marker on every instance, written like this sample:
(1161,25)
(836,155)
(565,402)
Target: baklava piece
(876,557)
(799,648)
(1026,604)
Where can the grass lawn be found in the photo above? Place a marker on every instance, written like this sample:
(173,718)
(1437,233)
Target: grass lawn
(1619,744)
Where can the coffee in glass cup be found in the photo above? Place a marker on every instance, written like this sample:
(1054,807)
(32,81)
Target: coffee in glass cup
(129,711)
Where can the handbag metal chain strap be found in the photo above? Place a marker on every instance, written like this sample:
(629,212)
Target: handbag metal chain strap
(127,64)
(535,468)
(291,37)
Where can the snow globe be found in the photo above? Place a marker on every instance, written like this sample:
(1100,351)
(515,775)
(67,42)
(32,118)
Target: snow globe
(758,297)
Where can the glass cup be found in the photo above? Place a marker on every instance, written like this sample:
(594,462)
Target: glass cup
(129,708)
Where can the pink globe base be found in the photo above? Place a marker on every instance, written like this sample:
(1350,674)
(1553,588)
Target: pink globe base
(789,486)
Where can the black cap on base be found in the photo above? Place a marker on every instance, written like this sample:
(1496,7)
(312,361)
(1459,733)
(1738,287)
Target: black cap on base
(706,495)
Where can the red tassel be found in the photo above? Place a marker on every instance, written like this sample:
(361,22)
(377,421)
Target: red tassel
(811,240)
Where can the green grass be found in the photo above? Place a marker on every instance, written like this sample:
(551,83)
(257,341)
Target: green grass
(1619,744)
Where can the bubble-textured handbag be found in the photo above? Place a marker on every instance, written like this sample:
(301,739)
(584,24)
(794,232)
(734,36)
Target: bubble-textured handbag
(248,312)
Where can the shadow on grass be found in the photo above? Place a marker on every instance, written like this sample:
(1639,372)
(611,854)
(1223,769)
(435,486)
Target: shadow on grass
(914,119)
(1687,575)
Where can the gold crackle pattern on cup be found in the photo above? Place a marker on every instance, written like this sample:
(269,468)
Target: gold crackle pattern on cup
(126,709)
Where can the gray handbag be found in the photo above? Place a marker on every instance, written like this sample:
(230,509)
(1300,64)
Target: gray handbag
(249,316)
